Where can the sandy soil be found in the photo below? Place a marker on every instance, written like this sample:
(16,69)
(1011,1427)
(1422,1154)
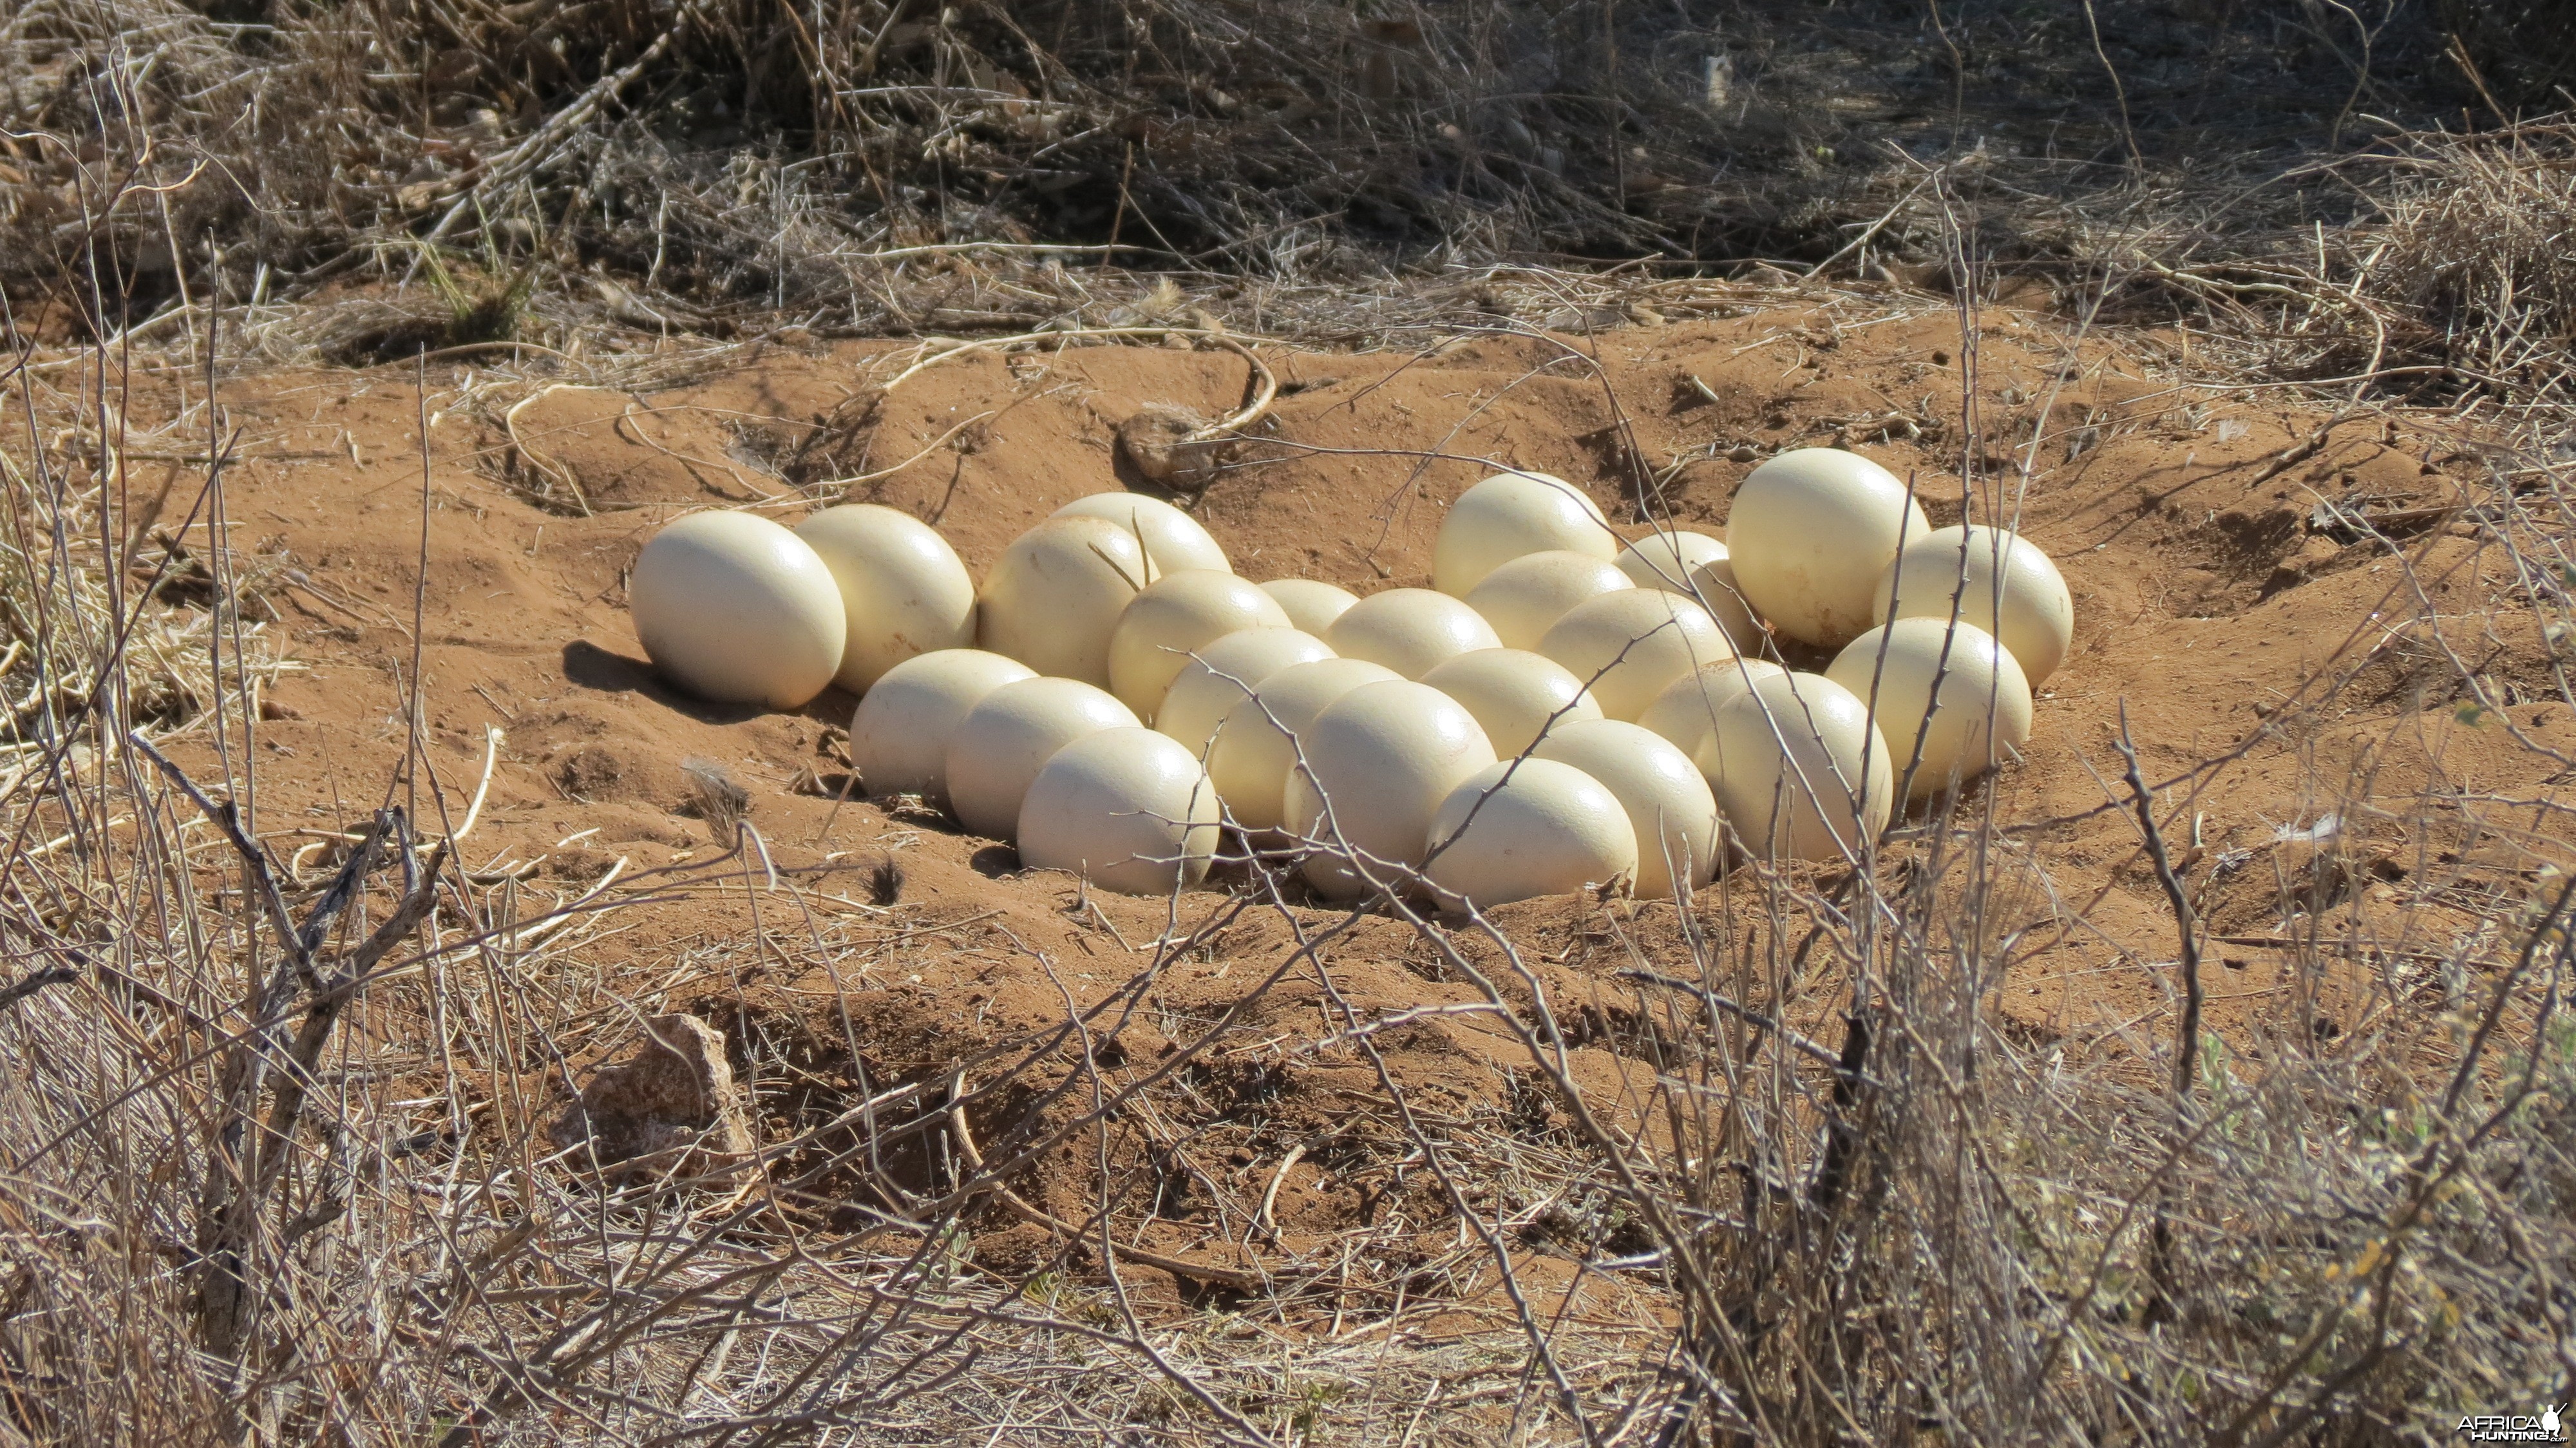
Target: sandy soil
(2210,608)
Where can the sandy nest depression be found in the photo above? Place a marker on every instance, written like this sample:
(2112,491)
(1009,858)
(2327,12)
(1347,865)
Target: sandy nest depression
(2297,687)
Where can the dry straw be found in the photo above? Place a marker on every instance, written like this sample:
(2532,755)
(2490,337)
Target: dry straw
(1832,1195)
(722,168)
(275,1161)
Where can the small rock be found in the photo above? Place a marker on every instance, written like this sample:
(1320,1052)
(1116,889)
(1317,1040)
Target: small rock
(669,1109)
(1165,444)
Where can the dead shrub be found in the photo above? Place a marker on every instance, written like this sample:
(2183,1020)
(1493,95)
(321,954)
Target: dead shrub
(2464,263)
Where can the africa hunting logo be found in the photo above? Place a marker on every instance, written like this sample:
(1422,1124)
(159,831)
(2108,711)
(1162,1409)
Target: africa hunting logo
(2513,1427)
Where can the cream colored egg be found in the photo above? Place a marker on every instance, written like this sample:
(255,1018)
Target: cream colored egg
(1514,694)
(1009,736)
(1220,674)
(1055,595)
(1523,828)
(1980,718)
(1312,604)
(1256,745)
(1810,532)
(1669,804)
(1664,558)
(1687,708)
(736,608)
(900,732)
(1626,647)
(2031,611)
(1524,597)
(903,591)
(1173,538)
(1127,809)
(1713,584)
(1510,514)
(1378,762)
(1697,565)
(1410,630)
(1177,613)
(1799,770)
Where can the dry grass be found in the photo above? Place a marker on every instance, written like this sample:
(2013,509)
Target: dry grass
(722,167)
(83,583)
(2524,51)
(2464,265)
(248,1195)
(245,1193)
(2453,285)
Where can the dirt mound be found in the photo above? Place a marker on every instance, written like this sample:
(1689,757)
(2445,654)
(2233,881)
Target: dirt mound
(2231,558)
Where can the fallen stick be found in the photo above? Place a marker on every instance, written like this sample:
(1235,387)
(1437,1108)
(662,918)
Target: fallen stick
(2294,456)
(537,460)
(523,159)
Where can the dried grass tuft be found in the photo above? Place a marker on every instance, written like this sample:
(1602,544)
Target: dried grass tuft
(152,636)
(2466,262)
(719,167)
